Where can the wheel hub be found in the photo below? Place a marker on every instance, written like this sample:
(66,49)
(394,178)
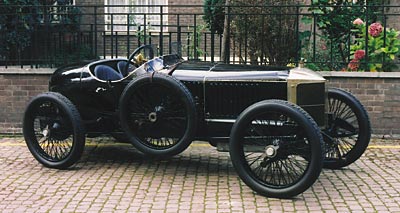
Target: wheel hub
(271,151)
(45,132)
(152,117)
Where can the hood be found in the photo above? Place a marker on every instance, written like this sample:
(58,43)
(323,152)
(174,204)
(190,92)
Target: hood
(206,71)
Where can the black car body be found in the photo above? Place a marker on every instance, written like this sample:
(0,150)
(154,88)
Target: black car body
(221,92)
(280,125)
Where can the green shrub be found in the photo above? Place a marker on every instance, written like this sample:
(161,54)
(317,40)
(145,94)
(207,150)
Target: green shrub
(22,20)
(383,48)
(270,35)
(17,23)
(214,15)
(333,20)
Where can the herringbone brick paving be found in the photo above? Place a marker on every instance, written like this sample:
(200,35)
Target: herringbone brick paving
(114,177)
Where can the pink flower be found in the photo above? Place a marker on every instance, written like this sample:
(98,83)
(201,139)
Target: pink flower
(358,21)
(354,65)
(375,29)
(359,54)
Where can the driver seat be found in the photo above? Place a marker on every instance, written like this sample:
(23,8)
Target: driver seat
(107,73)
(121,68)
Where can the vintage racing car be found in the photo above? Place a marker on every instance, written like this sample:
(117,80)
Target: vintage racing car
(280,125)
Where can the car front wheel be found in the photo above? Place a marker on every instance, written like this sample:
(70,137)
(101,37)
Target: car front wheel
(276,148)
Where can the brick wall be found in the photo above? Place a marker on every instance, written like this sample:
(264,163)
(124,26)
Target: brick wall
(379,92)
(15,92)
(381,98)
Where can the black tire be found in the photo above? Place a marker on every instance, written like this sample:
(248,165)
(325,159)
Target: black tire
(53,130)
(158,114)
(348,131)
(276,148)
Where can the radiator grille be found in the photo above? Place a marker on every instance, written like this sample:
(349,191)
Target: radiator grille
(311,97)
(227,100)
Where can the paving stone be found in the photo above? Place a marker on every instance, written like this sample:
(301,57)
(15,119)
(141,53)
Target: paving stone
(117,178)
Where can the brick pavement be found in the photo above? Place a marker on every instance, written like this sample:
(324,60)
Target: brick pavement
(116,178)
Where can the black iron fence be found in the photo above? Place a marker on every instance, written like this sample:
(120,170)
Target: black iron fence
(51,36)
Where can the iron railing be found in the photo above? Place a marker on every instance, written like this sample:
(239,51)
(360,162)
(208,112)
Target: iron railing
(58,35)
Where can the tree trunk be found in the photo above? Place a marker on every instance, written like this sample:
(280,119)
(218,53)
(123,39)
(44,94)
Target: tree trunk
(226,35)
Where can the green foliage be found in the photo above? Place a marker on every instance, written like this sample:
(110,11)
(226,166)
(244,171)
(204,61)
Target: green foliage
(214,15)
(270,35)
(333,19)
(324,56)
(67,19)
(20,20)
(194,42)
(68,55)
(382,49)
(17,23)
(140,32)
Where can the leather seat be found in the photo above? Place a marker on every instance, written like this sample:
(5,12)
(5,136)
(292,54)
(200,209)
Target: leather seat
(107,73)
(121,68)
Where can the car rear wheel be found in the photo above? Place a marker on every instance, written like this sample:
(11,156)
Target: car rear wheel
(158,114)
(53,130)
(348,131)
(276,148)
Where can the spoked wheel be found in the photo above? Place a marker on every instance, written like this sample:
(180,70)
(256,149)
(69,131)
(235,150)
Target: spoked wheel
(348,131)
(53,130)
(158,115)
(276,148)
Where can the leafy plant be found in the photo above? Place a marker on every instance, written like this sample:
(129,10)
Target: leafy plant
(194,41)
(383,48)
(68,55)
(17,23)
(333,21)
(265,28)
(214,15)
(140,32)
(269,36)
(317,51)
(322,56)
(21,20)
(66,19)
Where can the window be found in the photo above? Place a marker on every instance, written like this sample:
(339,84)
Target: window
(58,12)
(136,13)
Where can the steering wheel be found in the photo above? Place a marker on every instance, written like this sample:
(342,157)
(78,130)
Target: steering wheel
(138,57)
